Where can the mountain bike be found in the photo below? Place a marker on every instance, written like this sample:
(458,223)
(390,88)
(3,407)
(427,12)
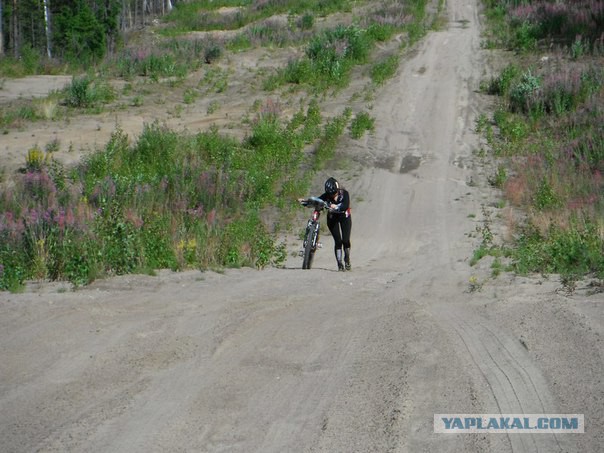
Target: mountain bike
(311,235)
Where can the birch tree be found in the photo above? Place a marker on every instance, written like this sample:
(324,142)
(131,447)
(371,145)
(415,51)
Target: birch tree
(47,27)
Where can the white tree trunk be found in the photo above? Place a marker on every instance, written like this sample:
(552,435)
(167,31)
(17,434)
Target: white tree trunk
(47,27)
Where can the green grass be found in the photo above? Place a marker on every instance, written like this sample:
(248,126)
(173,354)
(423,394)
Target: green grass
(88,92)
(165,200)
(385,69)
(201,15)
(361,123)
(329,59)
(549,127)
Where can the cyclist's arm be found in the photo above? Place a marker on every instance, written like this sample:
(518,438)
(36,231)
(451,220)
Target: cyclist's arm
(344,204)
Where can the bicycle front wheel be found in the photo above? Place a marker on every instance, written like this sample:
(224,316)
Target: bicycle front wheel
(309,250)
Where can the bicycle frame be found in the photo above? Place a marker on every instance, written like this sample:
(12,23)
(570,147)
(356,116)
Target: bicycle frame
(311,235)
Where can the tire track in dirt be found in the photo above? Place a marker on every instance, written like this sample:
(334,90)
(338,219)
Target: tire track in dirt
(515,383)
(436,87)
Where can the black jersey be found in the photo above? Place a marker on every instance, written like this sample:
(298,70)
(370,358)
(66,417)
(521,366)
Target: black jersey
(342,200)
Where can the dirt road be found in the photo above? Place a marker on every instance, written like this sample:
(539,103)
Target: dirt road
(320,361)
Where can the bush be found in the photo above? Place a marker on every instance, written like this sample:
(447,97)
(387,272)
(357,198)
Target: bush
(85,92)
(523,95)
(335,51)
(525,37)
(381,32)
(212,53)
(501,84)
(306,22)
(560,21)
(360,124)
(545,197)
(166,199)
(577,250)
(384,70)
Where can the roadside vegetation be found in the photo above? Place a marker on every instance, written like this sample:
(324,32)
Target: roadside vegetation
(548,131)
(173,199)
(168,200)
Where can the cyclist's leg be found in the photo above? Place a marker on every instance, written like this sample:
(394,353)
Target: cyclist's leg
(334,228)
(346,229)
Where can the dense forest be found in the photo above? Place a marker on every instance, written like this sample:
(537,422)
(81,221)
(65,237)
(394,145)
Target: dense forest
(71,30)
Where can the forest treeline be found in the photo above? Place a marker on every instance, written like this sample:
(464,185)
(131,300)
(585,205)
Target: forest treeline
(71,30)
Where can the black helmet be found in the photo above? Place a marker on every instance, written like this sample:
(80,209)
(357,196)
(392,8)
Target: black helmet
(331,186)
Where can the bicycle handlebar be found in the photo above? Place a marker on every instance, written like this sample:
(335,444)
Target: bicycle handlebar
(316,203)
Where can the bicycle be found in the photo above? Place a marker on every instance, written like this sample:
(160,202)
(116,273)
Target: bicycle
(311,235)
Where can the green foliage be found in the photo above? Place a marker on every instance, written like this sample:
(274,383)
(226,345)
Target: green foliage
(332,131)
(384,70)
(306,22)
(577,250)
(381,32)
(13,117)
(329,58)
(333,52)
(545,197)
(201,15)
(360,124)
(79,34)
(499,178)
(417,28)
(525,37)
(239,43)
(13,267)
(552,123)
(212,53)
(513,128)
(523,94)
(171,58)
(215,80)
(165,200)
(189,96)
(479,254)
(500,85)
(31,60)
(578,48)
(86,92)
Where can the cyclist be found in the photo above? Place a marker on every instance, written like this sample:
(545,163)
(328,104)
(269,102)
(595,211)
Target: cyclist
(339,220)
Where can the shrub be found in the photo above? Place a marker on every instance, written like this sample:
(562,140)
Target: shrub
(166,199)
(36,159)
(545,197)
(385,69)
(523,95)
(501,84)
(332,131)
(360,124)
(212,53)
(525,37)
(381,32)
(306,22)
(560,21)
(84,92)
(333,53)
(499,178)
(576,250)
